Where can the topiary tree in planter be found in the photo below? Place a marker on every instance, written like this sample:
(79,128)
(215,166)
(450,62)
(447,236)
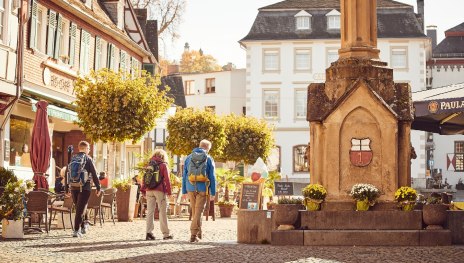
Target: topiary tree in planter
(189,126)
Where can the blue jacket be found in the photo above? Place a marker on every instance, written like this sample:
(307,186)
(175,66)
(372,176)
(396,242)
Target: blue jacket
(201,186)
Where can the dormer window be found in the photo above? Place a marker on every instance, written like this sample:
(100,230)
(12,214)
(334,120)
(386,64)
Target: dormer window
(333,19)
(303,20)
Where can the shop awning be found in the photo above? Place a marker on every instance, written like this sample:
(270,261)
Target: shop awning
(440,110)
(57,112)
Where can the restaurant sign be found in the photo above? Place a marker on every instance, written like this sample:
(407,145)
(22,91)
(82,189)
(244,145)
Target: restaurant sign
(424,108)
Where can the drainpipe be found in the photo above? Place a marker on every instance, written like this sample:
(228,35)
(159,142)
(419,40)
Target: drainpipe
(19,61)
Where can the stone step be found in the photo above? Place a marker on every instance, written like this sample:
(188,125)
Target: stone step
(361,220)
(362,237)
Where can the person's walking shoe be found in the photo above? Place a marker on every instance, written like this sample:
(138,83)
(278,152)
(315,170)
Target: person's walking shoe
(193,239)
(77,234)
(168,237)
(150,236)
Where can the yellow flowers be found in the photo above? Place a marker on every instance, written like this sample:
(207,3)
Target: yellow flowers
(405,193)
(315,191)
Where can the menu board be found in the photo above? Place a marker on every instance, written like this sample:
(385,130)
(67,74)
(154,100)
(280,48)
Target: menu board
(250,196)
(283,188)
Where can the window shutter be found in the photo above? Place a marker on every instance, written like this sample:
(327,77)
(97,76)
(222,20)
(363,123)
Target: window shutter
(72,43)
(122,61)
(87,52)
(51,32)
(84,52)
(98,51)
(59,29)
(112,63)
(33,33)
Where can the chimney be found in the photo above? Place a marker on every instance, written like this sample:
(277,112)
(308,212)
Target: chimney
(141,14)
(420,12)
(173,68)
(115,10)
(432,33)
(152,36)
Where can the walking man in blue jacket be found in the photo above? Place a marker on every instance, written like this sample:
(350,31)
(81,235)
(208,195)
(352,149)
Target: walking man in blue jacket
(199,183)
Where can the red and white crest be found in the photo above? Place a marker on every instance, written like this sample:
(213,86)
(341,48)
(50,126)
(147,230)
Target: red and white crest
(360,152)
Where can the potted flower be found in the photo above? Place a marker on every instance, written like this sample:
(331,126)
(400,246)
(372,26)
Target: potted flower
(314,195)
(434,212)
(125,199)
(406,198)
(225,208)
(5,177)
(365,196)
(287,212)
(12,207)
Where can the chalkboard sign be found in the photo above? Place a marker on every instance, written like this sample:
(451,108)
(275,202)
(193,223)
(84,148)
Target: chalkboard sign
(283,188)
(250,196)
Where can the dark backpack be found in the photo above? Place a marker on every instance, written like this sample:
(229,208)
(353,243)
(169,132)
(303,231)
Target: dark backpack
(151,176)
(77,175)
(197,167)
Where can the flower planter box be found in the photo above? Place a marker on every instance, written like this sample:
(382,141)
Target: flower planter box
(125,204)
(12,228)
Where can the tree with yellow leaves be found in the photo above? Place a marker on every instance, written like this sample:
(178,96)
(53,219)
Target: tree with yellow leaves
(196,62)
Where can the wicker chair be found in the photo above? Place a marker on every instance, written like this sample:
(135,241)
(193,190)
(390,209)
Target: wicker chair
(108,201)
(66,208)
(95,203)
(37,203)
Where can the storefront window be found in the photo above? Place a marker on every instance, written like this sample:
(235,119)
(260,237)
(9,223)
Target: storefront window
(20,139)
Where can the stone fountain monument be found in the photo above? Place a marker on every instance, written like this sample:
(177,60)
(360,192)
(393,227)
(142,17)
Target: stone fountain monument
(360,120)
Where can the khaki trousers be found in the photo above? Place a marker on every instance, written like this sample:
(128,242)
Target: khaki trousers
(197,204)
(158,198)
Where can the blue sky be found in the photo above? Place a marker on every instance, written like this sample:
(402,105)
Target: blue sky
(215,26)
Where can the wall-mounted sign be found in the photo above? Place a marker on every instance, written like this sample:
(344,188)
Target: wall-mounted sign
(360,152)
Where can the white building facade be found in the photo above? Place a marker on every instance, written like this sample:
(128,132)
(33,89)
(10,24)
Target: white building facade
(290,45)
(221,91)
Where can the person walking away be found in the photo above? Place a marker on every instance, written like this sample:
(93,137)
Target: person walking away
(156,186)
(80,170)
(199,183)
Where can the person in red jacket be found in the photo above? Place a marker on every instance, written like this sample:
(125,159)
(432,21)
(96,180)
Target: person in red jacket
(158,195)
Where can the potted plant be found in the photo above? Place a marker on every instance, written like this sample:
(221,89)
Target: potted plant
(365,196)
(125,199)
(6,176)
(287,212)
(434,212)
(406,198)
(268,189)
(225,208)
(12,207)
(314,195)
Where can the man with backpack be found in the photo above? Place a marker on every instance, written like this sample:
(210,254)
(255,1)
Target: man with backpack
(80,169)
(199,183)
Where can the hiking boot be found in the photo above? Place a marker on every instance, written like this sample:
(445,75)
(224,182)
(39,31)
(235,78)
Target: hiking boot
(150,236)
(77,234)
(193,239)
(168,237)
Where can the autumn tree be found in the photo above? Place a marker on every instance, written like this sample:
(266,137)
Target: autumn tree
(167,12)
(189,126)
(196,62)
(114,107)
(247,139)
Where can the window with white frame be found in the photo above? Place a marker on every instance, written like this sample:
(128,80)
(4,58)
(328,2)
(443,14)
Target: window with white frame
(271,104)
(84,52)
(189,87)
(210,85)
(399,57)
(332,56)
(271,59)
(2,19)
(459,155)
(333,19)
(300,104)
(302,59)
(303,20)
(300,163)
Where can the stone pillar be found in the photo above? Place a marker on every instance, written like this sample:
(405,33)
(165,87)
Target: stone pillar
(359,29)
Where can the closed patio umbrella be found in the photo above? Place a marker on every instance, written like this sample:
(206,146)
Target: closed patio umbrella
(40,146)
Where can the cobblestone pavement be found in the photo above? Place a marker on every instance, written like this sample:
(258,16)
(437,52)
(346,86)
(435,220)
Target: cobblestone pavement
(124,242)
